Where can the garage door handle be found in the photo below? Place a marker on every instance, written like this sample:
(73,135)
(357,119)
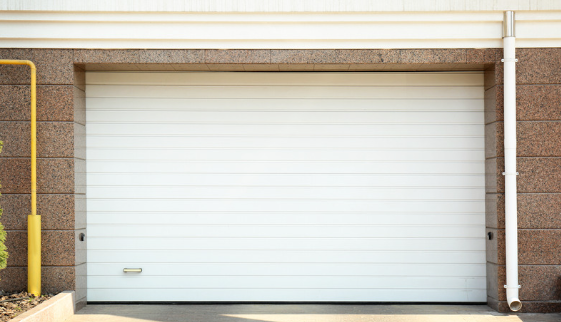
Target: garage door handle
(132,270)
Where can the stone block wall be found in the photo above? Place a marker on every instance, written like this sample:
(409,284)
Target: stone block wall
(62,159)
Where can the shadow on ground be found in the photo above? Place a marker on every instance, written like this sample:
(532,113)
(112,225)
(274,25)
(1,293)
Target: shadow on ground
(301,313)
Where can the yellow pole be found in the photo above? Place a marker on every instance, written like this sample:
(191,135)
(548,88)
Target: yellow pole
(33,220)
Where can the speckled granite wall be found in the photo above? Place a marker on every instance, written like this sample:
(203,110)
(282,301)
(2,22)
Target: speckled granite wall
(61,150)
(539,182)
(61,168)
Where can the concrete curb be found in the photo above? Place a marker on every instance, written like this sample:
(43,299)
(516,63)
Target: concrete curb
(57,309)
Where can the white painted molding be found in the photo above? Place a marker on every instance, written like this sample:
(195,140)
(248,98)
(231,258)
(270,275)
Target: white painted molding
(164,30)
(277,5)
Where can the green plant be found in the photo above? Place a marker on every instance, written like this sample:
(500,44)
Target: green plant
(3,249)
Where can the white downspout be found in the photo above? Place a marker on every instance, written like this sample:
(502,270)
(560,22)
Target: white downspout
(511,210)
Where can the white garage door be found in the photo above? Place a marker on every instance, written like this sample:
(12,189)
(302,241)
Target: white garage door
(285,187)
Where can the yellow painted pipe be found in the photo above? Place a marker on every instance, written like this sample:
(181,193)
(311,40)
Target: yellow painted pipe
(33,220)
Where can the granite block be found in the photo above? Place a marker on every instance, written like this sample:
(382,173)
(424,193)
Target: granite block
(79,77)
(539,139)
(368,56)
(535,246)
(190,67)
(155,67)
(335,56)
(54,66)
(489,78)
(539,175)
(483,55)
(491,211)
(493,303)
(533,103)
(368,67)
(499,73)
(538,102)
(291,56)
(79,100)
(261,67)
(53,175)
(57,247)
(540,282)
(107,56)
(171,56)
(540,307)
(494,75)
(409,67)
(15,74)
(432,56)
(296,67)
(54,103)
(226,67)
(537,211)
(54,139)
(79,176)
(56,279)
(538,66)
(80,213)
(536,175)
(491,166)
(493,246)
(81,282)
(492,280)
(490,105)
(450,67)
(80,246)
(539,246)
(57,211)
(491,139)
(331,67)
(79,140)
(237,56)
(498,253)
(112,67)
(13,279)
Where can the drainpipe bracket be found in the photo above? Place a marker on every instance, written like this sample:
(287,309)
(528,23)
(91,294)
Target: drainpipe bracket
(509,60)
(515,287)
(511,173)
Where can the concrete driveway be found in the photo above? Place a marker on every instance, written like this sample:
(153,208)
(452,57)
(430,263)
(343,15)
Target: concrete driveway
(301,313)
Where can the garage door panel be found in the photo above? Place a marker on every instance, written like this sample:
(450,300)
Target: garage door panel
(280,180)
(327,205)
(283,118)
(284,282)
(241,230)
(103,104)
(298,295)
(134,192)
(270,142)
(277,217)
(287,154)
(300,269)
(304,92)
(309,243)
(133,257)
(286,186)
(332,167)
(286,78)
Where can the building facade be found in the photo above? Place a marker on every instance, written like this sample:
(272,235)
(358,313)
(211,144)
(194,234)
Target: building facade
(335,151)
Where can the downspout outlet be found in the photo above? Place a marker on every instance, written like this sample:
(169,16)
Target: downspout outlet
(515,305)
